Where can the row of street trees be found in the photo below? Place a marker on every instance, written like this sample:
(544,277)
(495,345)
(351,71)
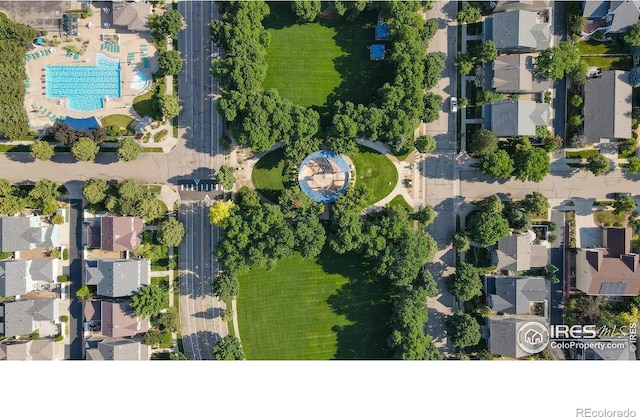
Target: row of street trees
(129,198)
(42,197)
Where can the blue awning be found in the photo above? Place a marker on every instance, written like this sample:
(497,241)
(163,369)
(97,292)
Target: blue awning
(382,31)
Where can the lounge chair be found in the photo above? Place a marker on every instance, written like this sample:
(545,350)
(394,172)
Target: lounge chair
(102,47)
(76,56)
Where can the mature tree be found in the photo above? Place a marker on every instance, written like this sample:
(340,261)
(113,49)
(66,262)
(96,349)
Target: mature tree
(228,349)
(634,76)
(346,232)
(487,52)
(628,146)
(482,141)
(306,10)
(488,96)
(85,149)
(492,204)
(220,211)
(148,301)
(575,121)
(633,164)
(170,232)
(225,286)
(43,192)
(465,63)
(434,64)
(598,164)
(465,283)
(552,143)
(57,219)
(560,61)
(518,219)
(463,329)
(42,150)
(632,36)
(469,14)
(153,337)
(169,107)
(432,103)
(226,177)
(487,228)
(167,24)
(461,242)
(426,281)
(169,62)
(531,164)
(425,215)
(170,320)
(128,149)
(624,204)
(84,294)
(536,203)
(496,164)
(425,144)
(576,100)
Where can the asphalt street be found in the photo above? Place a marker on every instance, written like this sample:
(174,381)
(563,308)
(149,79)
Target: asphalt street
(75,275)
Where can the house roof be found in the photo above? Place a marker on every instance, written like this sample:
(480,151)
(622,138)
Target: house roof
(119,320)
(119,349)
(120,233)
(117,277)
(607,106)
(92,310)
(517,118)
(513,73)
(42,350)
(612,270)
(17,276)
(531,5)
(21,317)
(503,336)
(24,233)
(623,15)
(14,352)
(134,16)
(609,353)
(514,295)
(518,253)
(594,9)
(520,30)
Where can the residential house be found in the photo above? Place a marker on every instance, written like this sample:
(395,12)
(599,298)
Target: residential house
(117,277)
(519,253)
(530,5)
(117,349)
(119,320)
(115,233)
(515,118)
(607,107)
(517,295)
(610,352)
(518,31)
(33,350)
(503,336)
(132,16)
(514,73)
(611,270)
(21,276)
(609,17)
(24,317)
(25,233)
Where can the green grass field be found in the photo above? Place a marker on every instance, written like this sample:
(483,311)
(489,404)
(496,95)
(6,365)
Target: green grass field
(400,201)
(315,63)
(324,308)
(267,175)
(121,121)
(609,63)
(143,104)
(374,171)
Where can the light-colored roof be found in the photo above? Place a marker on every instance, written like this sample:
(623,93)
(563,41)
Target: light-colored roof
(607,106)
(503,336)
(119,349)
(21,317)
(21,233)
(514,295)
(531,5)
(517,118)
(513,73)
(520,30)
(518,253)
(133,16)
(624,15)
(17,277)
(117,277)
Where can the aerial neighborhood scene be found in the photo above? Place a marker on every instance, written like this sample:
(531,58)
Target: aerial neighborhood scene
(316,180)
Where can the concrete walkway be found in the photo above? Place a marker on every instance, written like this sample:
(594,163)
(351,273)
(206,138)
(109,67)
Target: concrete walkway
(234,309)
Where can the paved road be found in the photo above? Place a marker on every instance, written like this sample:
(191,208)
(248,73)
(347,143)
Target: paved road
(75,275)
(201,126)
(560,86)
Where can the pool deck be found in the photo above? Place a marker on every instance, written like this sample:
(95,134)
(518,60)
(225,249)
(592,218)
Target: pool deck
(41,109)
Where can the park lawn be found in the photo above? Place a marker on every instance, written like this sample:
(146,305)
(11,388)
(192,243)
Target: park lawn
(587,153)
(607,217)
(143,104)
(374,171)
(267,175)
(609,63)
(322,308)
(399,200)
(596,47)
(314,63)
(121,121)
(163,282)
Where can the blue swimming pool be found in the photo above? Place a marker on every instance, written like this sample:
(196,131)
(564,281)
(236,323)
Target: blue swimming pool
(84,87)
(139,80)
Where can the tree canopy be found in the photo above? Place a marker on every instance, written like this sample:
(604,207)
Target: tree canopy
(85,149)
(487,228)
(598,164)
(425,144)
(42,150)
(482,141)
(225,286)
(228,349)
(128,149)
(169,106)
(561,61)
(95,190)
(463,329)
(469,14)
(220,211)
(167,24)
(465,283)
(306,10)
(496,164)
(624,204)
(536,203)
(169,62)
(170,232)
(148,301)
(531,163)
(226,177)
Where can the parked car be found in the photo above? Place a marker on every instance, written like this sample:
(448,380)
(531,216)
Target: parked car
(454,104)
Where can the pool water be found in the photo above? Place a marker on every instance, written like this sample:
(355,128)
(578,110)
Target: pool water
(139,80)
(84,87)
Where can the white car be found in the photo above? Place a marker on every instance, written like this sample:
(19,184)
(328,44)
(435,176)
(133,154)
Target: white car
(454,104)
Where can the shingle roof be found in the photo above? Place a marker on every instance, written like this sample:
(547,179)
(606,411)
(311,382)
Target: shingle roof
(513,73)
(21,317)
(119,320)
(120,233)
(519,30)
(14,352)
(607,106)
(518,253)
(514,295)
(117,277)
(119,349)
(42,350)
(503,336)
(595,8)
(17,234)
(133,16)
(624,15)
(532,5)
(17,277)
(518,118)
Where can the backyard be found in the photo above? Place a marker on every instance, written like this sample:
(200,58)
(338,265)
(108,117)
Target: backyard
(323,308)
(608,218)
(315,63)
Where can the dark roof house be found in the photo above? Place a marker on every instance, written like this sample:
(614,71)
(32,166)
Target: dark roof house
(26,233)
(515,118)
(530,5)
(517,295)
(503,336)
(612,270)
(20,276)
(610,16)
(118,350)
(119,320)
(518,253)
(518,31)
(23,317)
(133,16)
(117,277)
(116,233)
(513,73)
(607,107)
